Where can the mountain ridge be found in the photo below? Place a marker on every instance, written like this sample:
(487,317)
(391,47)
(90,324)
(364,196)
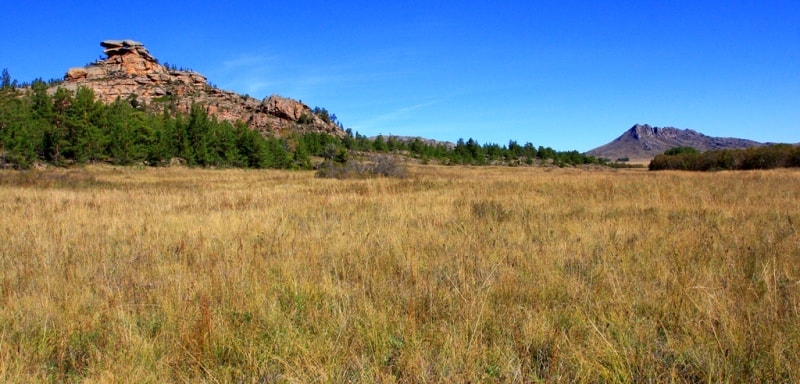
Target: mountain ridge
(643,142)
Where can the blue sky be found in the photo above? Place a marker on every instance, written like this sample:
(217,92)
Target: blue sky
(565,74)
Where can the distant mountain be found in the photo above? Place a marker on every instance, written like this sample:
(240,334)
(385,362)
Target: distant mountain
(643,142)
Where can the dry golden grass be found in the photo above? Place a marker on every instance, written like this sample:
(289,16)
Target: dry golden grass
(451,275)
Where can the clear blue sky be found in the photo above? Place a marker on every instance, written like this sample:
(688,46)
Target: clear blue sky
(565,74)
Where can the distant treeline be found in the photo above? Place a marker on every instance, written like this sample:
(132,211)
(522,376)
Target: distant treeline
(73,128)
(469,152)
(690,159)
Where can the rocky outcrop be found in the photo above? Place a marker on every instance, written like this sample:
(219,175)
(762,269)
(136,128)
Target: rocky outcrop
(643,142)
(119,47)
(284,108)
(130,71)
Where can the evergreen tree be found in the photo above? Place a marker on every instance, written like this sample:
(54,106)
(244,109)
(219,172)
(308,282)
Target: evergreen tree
(125,126)
(198,132)
(392,144)
(252,147)
(224,145)
(161,147)
(362,143)
(379,144)
(300,158)
(529,150)
(57,146)
(349,142)
(18,131)
(41,103)
(277,155)
(84,133)
(5,79)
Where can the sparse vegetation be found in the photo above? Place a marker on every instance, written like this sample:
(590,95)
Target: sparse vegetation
(453,274)
(377,166)
(305,119)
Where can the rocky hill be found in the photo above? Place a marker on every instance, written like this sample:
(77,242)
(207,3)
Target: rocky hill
(643,142)
(131,71)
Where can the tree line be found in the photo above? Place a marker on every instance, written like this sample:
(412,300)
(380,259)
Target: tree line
(765,157)
(67,127)
(74,128)
(468,152)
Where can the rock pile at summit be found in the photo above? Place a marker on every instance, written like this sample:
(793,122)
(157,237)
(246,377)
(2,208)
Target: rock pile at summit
(130,71)
(116,47)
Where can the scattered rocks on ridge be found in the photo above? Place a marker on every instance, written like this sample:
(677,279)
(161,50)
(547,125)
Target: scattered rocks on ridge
(131,71)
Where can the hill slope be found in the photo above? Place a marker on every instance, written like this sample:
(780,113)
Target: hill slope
(643,142)
(130,70)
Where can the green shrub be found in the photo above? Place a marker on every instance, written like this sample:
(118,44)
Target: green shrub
(680,150)
(305,119)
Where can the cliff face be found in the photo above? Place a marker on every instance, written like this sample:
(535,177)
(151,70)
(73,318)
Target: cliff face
(643,142)
(131,71)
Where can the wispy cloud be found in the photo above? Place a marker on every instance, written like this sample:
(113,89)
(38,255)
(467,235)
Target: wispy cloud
(393,116)
(247,61)
(250,73)
(258,88)
(297,76)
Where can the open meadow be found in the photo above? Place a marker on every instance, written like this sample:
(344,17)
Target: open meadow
(453,274)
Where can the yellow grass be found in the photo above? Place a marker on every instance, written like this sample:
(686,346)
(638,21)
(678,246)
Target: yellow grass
(452,275)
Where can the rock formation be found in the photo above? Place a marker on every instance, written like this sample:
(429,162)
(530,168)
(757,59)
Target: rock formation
(118,47)
(131,71)
(643,142)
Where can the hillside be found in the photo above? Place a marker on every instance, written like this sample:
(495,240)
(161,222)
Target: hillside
(130,69)
(643,142)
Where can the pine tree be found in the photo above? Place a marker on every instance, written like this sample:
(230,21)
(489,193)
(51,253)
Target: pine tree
(198,133)
(56,135)
(253,147)
(125,128)
(85,135)
(5,79)
(181,144)
(277,155)
(161,147)
(224,145)
(379,144)
(17,128)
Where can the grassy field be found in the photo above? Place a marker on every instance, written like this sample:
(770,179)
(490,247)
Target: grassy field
(451,275)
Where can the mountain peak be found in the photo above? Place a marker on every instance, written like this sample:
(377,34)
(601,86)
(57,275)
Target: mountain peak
(642,130)
(643,142)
